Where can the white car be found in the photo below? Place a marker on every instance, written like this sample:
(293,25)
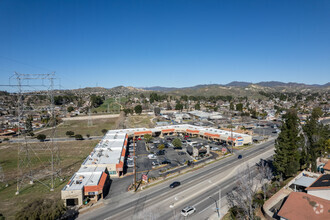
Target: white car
(130,163)
(155,163)
(152,156)
(188,211)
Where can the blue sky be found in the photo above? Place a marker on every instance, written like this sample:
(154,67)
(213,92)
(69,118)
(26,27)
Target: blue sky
(166,42)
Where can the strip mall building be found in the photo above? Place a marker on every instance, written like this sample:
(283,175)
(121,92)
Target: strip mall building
(108,158)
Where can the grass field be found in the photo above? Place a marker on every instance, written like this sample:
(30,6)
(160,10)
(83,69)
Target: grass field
(72,154)
(81,127)
(114,106)
(139,121)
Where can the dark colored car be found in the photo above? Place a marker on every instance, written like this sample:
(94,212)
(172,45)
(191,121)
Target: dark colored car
(161,152)
(175,184)
(240,156)
(166,161)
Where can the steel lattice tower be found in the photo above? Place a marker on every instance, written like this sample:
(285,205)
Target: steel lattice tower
(46,154)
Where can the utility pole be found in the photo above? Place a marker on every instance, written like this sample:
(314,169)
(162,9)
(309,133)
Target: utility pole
(134,159)
(219,203)
(231,131)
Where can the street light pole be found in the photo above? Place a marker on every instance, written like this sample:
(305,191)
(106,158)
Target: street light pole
(216,205)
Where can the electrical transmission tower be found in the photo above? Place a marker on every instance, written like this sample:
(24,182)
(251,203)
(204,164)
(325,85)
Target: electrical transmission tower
(36,161)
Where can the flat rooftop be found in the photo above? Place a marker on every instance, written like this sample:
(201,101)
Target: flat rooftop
(84,178)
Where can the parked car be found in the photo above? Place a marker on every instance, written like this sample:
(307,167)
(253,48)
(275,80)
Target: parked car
(214,148)
(175,184)
(152,156)
(166,161)
(188,210)
(161,152)
(155,163)
(240,156)
(130,163)
(181,153)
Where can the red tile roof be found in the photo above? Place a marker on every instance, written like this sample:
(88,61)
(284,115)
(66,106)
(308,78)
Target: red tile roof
(327,166)
(300,206)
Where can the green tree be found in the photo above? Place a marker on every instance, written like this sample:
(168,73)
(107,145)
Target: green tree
(104,131)
(197,106)
(239,107)
(70,109)
(79,137)
(41,137)
(96,101)
(28,124)
(316,135)
(177,142)
(138,109)
(231,106)
(287,156)
(161,147)
(69,133)
(88,135)
(147,137)
(179,106)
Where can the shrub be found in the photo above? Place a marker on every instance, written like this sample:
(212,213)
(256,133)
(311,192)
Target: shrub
(69,133)
(79,137)
(42,209)
(104,131)
(41,137)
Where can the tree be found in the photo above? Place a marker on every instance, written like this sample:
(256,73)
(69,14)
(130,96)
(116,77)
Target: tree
(316,135)
(104,131)
(88,135)
(79,137)
(41,137)
(147,137)
(179,106)
(161,147)
(69,133)
(169,107)
(96,101)
(70,109)
(177,142)
(157,111)
(231,106)
(239,107)
(287,156)
(197,106)
(242,196)
(28,124)
(138,109)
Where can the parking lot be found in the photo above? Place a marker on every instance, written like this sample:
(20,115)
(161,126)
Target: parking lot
(150,157)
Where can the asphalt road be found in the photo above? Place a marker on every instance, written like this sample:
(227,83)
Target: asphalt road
(22,140)
(195,189)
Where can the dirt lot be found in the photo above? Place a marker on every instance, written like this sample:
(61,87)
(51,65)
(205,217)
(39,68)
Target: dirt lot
(72,154)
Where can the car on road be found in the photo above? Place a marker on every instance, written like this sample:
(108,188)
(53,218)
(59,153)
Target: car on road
(181,153)
(214,148)
(240,156)
(175,184)
(188,211)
